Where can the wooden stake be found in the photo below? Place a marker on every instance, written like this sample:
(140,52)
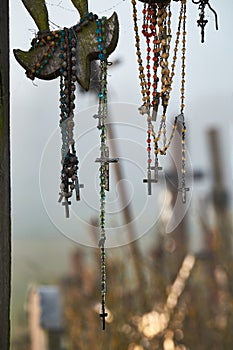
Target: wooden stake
(5,225)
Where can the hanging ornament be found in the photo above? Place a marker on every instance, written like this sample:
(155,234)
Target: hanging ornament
(202,21)
(67,54)
(104,159)
(156,80)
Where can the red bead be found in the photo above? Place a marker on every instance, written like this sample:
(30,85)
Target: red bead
(148,149)
(148,58)
(148,140)
(149,161)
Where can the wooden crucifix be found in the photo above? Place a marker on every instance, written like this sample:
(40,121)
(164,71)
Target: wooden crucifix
(43,60)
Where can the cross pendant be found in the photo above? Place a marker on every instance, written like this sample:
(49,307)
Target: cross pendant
(156,169)
(183,191)
(149,181)
(77,188)
(103,315)
(105,160)
(99,117)
(66,204)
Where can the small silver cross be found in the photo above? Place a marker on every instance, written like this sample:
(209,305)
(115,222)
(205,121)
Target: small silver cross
(149,181)
(183,191)
(156,169)
(105,160)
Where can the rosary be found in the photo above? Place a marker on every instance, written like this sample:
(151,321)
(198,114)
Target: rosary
(67,53)
(156,31)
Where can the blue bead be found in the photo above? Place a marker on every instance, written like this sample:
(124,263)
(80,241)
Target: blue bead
(99,22)
(99,39)
(101,56)
(98,31)
(100,95)
(100,47)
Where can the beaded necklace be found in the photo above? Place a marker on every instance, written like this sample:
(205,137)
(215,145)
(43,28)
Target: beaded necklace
(104,159)
(156,29)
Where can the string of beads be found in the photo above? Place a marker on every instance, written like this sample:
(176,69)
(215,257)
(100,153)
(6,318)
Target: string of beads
(156,29)
(69,178)
(104,159)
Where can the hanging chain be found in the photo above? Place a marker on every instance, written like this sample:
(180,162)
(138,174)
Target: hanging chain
(103,146)
(69,178)
(157,25)
(168,88)
(182,188)
(104,159)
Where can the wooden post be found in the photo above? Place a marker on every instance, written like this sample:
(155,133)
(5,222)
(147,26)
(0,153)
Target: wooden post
(128,217)
(176,242)
(5,226)
(45,323)
(220,196)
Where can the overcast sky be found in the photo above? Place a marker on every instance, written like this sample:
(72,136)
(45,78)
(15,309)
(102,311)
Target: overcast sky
(35,118)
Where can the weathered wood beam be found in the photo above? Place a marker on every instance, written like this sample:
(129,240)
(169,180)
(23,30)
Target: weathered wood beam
(5,224)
